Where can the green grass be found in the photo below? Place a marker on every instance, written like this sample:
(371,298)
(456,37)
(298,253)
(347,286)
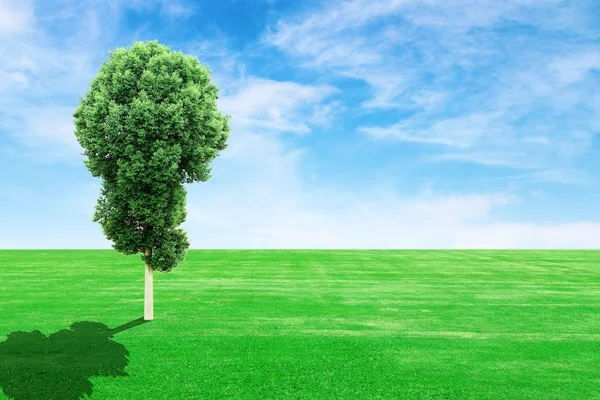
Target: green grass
(304,325)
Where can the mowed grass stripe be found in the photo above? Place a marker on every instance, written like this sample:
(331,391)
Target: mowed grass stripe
(327,324)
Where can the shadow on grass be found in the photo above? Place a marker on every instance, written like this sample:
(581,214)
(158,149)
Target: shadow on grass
(38,367)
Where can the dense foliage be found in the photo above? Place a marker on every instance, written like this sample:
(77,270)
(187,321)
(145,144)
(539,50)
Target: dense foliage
(148,125)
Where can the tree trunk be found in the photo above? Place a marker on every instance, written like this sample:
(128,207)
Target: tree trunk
(148,293)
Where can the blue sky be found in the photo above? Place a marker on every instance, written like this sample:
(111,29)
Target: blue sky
(354,124)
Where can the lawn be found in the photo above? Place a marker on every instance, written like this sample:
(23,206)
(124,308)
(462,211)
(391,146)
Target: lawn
(302,325)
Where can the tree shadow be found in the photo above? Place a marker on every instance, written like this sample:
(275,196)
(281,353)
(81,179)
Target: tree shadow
(38,367)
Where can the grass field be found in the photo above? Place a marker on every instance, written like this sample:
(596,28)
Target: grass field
(302,325)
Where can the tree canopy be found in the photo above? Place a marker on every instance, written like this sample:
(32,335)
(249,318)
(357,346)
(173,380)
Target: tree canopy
(148,125)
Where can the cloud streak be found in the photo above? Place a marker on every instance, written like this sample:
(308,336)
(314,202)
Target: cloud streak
(274,106)
(468,86)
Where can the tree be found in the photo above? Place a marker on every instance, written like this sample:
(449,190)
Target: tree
(148,125)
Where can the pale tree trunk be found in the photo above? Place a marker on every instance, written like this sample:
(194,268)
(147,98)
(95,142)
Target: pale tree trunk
(148,292)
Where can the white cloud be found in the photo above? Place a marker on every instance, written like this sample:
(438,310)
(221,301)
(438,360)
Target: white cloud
(573,68)
(460,132)
(574,235)
(270,208)
(474,91)
(460,15)
(177,8)
(324,114)
(51,125)
(273,106)
(557,175)
(16,17)
(47,129)
(429,99)
(172,8)
(329,39)
(19,78)
(497,132)
(23,63)
(341,35)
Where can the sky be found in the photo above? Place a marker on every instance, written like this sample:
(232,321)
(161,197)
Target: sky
(355,124)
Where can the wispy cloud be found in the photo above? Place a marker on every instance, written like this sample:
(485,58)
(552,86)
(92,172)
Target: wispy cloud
(274,106)
(460,132)
(171,8)
(43,73)
(46,127)
(480,92)
(538,119)
(16,17)
(178,8)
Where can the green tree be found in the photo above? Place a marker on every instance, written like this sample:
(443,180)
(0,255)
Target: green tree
(148,125)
